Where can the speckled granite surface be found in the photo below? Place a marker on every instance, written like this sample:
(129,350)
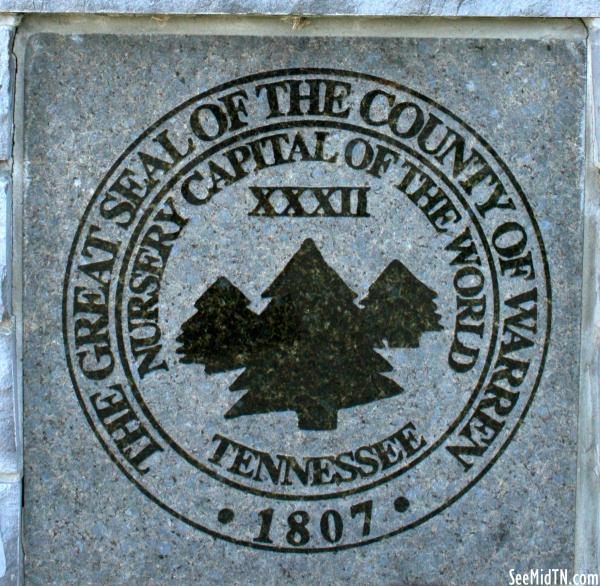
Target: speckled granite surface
(382,330)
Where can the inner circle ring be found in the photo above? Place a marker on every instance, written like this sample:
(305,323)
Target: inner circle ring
(163,193)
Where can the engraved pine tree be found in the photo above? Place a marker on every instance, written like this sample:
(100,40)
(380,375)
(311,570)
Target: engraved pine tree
(399,308)
(324,362)
(220,333)
(311,350)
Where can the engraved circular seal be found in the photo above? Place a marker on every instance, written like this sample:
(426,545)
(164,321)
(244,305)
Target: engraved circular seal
(306,310)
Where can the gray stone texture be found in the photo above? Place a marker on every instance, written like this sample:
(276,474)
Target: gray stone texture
(5,241)
(10,462)
(87,97)
(554,8)
(9,457)
(7,75)
(594,75)
(10,533)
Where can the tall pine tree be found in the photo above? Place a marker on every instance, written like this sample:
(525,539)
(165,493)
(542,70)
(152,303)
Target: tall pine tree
(313,354)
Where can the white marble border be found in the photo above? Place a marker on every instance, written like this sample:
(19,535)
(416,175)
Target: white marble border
(532,8)
(10,403)
(588,482)
(588,465)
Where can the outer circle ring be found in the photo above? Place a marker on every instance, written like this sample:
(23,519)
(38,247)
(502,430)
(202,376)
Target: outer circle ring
(266,75)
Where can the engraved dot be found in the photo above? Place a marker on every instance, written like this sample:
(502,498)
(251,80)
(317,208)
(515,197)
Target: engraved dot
(225,516)
(401,504)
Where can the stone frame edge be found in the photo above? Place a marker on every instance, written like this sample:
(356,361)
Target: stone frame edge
(11,556)
(587,551)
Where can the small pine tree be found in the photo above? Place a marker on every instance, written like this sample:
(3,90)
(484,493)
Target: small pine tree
(399,308)
(221,333)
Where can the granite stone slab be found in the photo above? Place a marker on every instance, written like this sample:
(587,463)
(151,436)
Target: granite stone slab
(300,310)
